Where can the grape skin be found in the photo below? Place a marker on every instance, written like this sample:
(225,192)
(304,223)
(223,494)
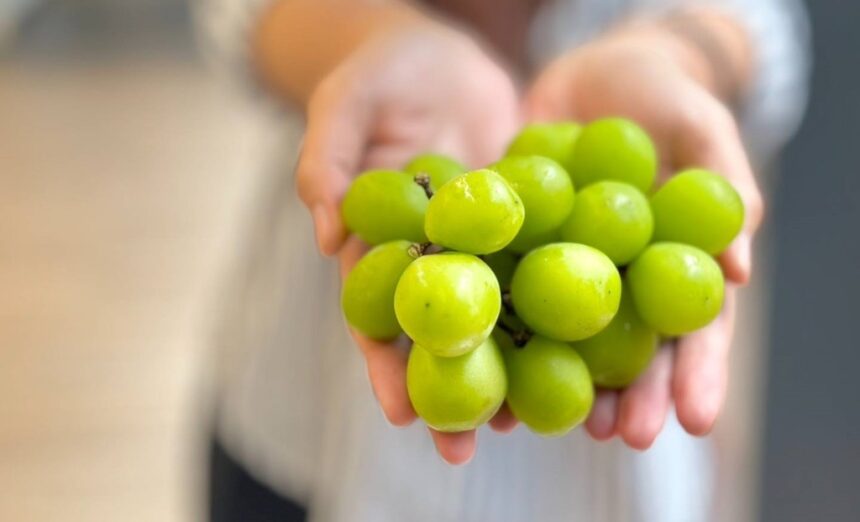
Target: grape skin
(700,208)
(460,393)
(477,213)
(617,149)
(385,205)
(612,217)
(440,168)
(368,291)
(448,303)
(547,194)
(549,387)
(566,291)
(556,141)
(619,353)
(676,288)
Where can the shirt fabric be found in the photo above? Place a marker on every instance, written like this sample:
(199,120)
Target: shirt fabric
(294,403)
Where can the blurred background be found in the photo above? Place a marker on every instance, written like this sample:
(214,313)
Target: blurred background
(125,175)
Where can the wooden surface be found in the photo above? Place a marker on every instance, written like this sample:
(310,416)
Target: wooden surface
(119,187)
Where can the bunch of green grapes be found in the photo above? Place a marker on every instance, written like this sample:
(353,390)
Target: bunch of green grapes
(508,279)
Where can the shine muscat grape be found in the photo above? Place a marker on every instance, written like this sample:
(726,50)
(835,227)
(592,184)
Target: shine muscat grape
(505,278)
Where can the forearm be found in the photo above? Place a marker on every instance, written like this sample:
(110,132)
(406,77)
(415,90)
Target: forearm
(297,42)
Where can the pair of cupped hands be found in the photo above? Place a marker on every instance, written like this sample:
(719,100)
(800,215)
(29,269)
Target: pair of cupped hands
(437,90)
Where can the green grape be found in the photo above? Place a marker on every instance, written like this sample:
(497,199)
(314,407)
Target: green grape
(385,205)
(549,388)
(676,288)
(614,148)
(700,208)
(613,217)
(441,169)
(368,291)
(448,302)
(555,141)
(619,353)
(457,393)
(367,298)
(566,291)
(477,212)
(547,194)
(503,264)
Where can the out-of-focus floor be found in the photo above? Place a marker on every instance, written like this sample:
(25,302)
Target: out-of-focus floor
(120,186)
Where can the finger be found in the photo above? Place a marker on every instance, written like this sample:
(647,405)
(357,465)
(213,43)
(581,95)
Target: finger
(338,125)
(701,371)
(642,408)
(551,97)
(601,421)
(707,136)
(504,421)
(386,370)
(353,250)
(455,448)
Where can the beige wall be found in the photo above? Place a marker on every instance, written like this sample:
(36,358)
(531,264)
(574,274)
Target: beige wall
(120,184)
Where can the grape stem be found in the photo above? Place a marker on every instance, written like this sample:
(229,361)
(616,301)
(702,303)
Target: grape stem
(519,337)
(507,302)
(417,250)
(423,180)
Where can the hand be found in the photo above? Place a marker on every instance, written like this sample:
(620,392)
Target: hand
(399,95)
(652,78)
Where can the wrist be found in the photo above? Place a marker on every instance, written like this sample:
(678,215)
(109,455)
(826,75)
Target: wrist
(297,43)
(708,46)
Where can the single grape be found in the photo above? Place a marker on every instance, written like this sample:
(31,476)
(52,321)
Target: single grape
(549,388)
(613,217)
(566,291)
(448,302)
(477,212)
(503,264)
(457,393)
(547,194)
(676,288)
(555,141)
(698,207)
(440,168)
(385,205)
(614,148)
(619,353)
(368,291)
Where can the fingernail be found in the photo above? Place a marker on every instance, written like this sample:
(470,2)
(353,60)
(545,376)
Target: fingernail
(320,216)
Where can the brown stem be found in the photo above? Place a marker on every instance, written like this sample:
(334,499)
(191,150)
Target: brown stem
(423,179)
(508,303)
(519,337)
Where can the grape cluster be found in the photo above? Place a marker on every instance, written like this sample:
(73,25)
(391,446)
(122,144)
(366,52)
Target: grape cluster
(515,287)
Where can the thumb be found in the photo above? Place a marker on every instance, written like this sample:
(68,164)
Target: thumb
(337,131)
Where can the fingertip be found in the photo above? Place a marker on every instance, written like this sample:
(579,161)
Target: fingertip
(504,421)
(601,421)
(455,448)
(399,417)
(697,412)
(329,229)
(639,429)
(643,407)
(737,260)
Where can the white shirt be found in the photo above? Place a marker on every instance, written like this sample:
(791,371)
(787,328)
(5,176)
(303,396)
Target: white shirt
(295,406)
